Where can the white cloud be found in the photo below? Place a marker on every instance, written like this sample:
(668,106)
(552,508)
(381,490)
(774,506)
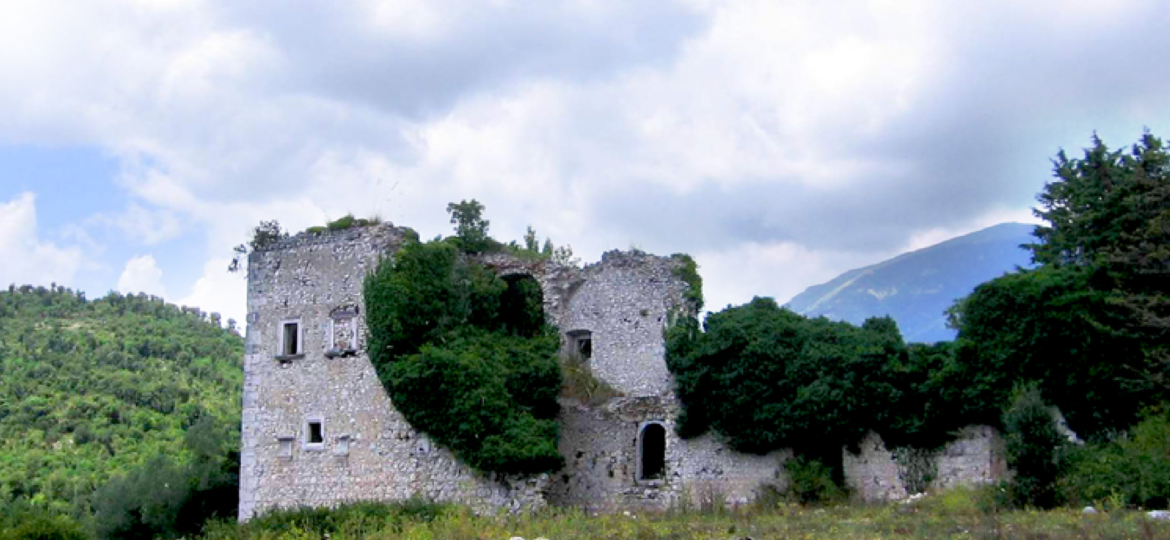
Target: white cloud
(800,136)
(219,291)
(28,260)
(935,235)
(142,275)
(148,226)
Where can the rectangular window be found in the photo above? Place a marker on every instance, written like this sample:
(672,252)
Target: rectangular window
(291,338)
(316,433)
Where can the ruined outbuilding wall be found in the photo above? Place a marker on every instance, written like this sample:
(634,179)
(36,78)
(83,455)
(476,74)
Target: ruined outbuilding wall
(601,449)
(625,301)
(369,450)
(600,445)
(976,456)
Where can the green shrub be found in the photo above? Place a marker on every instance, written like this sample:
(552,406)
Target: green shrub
(810,481)
(467,357)
(321,522)
(1133,470)
(166,499)
(39,525)
(1034,448)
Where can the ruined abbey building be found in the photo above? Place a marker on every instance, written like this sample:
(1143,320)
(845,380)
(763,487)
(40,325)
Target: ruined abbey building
(318,428)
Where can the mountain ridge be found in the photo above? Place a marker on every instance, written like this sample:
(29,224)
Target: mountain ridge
(916,287)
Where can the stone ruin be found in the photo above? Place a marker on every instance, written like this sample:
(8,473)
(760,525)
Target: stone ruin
(318,429)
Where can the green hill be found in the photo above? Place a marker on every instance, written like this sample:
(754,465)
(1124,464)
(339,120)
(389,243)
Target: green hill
(916,288)
(91,389)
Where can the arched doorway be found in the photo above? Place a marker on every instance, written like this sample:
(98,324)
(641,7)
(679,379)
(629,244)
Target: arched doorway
(652,452)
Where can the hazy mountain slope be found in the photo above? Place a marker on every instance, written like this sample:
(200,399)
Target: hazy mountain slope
(89,389)
(916,288)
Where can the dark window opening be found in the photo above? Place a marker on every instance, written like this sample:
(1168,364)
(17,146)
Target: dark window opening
(316,433)
(653,452)
(521,311)
(292,334)
(585,347)
(581,344)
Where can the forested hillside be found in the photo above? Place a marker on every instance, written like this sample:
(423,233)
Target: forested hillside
(93,389)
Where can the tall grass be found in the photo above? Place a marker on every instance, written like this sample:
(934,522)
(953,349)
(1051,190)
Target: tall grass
(962,513)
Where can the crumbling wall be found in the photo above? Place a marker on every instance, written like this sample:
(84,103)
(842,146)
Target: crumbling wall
(624,301)
(369,451)
(600,445)
(974,457)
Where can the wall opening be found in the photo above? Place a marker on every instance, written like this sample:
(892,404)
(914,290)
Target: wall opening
(580,344)
(290,338)
(314,434)
(652,452)
(522,306)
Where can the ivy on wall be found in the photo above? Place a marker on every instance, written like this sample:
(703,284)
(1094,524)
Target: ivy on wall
(466,356)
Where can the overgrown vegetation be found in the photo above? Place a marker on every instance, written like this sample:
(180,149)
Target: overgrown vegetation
(465,354)
(1088,330)
(688,272)
(94,390)
(1033,449)
(765,378)
(960,513)
(347,221)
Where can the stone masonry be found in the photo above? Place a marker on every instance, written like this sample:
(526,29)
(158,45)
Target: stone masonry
(318,428)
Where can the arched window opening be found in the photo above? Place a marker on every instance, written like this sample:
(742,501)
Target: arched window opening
(652,450)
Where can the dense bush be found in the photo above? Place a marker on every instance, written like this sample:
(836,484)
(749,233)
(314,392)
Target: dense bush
(1053,327)
(466,356)
(1133,470)
(1034,450)
(811,482)
(20,520)
(166,499)
(352,519)
(765,378)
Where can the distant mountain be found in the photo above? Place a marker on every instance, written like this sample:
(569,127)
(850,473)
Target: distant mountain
(916,288)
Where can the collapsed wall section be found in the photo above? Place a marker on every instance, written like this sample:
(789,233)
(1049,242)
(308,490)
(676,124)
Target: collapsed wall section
(318,428)
(876,473)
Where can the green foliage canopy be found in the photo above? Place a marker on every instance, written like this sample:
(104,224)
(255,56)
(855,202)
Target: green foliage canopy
(765,378)
(466,356)
(93,389)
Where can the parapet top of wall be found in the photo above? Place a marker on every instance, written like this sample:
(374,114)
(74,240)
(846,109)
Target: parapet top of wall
(385,230)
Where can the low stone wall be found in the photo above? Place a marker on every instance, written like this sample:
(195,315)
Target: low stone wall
(974,457)
(600,445)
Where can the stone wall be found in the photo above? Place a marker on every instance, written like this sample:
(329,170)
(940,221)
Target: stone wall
(876,474)
(601,473)
(368,450)
(625,301)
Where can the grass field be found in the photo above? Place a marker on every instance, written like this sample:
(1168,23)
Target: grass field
(951,515)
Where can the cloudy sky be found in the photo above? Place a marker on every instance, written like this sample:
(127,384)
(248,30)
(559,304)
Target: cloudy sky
(780,142)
